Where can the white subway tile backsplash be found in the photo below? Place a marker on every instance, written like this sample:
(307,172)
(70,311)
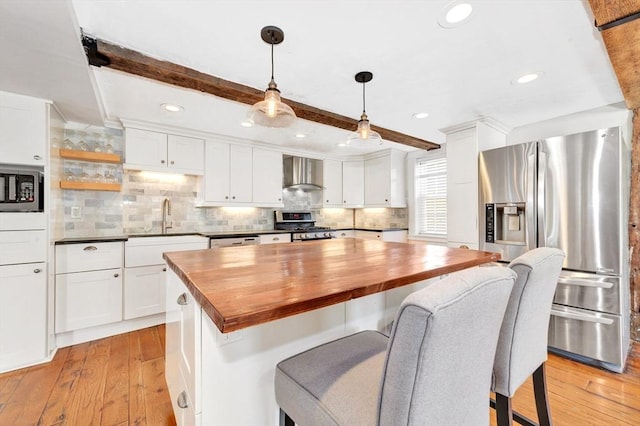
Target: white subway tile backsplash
(137,208)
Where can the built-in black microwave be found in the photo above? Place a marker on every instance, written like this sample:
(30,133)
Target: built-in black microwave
(21,189)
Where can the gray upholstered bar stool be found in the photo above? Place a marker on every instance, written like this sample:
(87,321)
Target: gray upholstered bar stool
(522,346)
(435,368)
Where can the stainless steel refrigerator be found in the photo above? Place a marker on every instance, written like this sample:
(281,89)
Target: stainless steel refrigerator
(568,192)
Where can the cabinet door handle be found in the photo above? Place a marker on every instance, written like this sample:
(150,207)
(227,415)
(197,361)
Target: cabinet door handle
(182,300)
(161,161)
(326,201)
(90,248)
(343,234)
(164,269)
(226,197)
(37,157)
(116,275)
(233,198)
(172,162)
(182,400)
(386,201)
(37,271)
(276,239)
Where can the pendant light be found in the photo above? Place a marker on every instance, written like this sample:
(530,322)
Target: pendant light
(271,112)
(364,132)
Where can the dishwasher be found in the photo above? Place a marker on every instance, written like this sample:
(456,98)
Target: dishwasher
(235,241)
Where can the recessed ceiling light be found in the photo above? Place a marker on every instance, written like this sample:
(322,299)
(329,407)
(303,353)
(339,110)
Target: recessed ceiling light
(342,144)
(246,124)
(172,107)
(420,115)
(454,14)
(300,135)
(527,78)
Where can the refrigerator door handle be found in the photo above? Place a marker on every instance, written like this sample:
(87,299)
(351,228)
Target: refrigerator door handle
(585,283)
(542,167)
(581,317)
(531,202)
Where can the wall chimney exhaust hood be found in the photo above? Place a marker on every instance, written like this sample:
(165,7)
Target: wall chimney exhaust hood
(302,173)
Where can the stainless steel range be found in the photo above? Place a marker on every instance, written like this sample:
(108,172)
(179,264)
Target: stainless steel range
(302,226)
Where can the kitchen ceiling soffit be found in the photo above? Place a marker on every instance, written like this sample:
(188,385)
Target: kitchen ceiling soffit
(102,53)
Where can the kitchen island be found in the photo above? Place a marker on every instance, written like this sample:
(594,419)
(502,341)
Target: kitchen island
(233,313)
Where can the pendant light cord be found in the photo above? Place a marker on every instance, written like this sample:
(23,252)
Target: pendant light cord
(364,110)
(272,58)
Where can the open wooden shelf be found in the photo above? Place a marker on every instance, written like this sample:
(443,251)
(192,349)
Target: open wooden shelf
(99,157)
(90,186)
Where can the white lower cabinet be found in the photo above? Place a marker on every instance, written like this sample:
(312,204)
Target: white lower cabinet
(183,351)
(23,290)
(144,291)
(23,315)
(399,236)
(145,271)
(87,299)
(275,238)
(88,289)
(346,233)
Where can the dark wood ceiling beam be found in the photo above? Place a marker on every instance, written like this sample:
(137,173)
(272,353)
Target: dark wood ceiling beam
(623,44)
(608,11)
(132,62)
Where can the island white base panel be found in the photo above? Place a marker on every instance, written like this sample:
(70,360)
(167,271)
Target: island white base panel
(234,372)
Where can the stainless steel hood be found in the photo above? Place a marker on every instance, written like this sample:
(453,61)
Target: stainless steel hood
(302,173)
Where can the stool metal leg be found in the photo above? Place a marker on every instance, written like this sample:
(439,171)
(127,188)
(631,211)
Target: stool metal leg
(504,412)
(285,420)
(540,392)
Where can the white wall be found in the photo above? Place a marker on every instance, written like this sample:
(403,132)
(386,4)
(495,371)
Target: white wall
(598,118)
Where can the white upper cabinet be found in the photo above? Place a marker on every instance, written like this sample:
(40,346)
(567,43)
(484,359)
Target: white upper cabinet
(267,177)
(332,177)
(353,183)
(24,124)
(157,151)
(464,142)
(228,176)
(185,154)
(384,180)
(240,174)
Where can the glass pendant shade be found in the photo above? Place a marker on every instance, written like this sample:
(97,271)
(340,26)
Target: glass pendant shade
(271,112)
(364,133)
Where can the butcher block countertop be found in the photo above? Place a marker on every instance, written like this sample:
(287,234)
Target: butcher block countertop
(244,286)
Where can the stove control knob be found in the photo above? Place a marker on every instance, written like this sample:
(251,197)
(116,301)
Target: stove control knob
(327,234)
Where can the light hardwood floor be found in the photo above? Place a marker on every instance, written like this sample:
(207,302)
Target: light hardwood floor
(120,381)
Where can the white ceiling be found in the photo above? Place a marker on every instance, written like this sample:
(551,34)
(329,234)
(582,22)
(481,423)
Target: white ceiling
(456,75)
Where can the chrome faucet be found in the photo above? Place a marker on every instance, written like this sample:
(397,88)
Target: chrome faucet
(166,215)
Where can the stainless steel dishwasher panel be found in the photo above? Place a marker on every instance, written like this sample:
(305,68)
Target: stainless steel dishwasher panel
(232,242)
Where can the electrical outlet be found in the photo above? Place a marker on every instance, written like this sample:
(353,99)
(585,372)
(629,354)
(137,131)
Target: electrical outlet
(226,338)
(76,212)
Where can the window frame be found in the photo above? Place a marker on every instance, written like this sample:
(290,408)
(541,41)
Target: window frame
(412,162)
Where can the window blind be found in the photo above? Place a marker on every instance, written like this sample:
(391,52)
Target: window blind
(431,196)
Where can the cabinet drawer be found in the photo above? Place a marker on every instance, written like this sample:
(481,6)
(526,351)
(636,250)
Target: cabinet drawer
(148,250)
(87,299)
(23,247)
(88,257)
(275,238)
